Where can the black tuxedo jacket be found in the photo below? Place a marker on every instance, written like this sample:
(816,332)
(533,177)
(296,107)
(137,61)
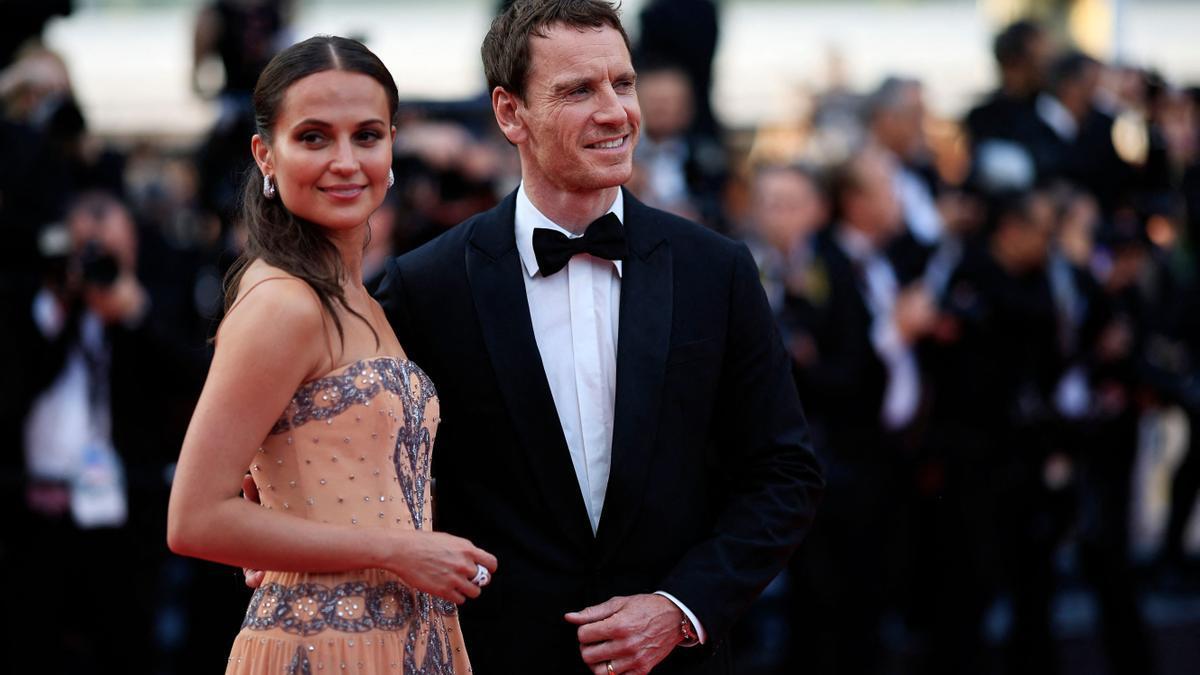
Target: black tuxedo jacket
(848,380)
(713,480)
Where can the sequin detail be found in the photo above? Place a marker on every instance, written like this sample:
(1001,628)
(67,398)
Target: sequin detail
(327,397)
(299,664)
(352,607)
(309,609)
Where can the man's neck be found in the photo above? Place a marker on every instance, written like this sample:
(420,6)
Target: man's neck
(573,211)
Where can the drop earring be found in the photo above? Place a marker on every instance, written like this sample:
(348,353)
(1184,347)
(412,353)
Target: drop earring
(391,179)
(268,189)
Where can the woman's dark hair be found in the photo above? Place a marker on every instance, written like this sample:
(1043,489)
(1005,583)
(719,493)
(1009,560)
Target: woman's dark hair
(274,234)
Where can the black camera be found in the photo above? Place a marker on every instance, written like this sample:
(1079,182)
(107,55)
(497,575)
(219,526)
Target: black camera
(98,266)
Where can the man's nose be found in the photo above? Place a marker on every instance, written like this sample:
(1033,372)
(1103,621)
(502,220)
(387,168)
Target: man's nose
(611,110)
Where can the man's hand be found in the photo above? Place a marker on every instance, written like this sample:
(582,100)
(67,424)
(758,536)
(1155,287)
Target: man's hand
(125,300)
(254,578)
(633,633)
(915,313)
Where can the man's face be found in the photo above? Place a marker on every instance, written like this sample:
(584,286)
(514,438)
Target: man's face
(1037,233)
(901,129)
(667,98)
(873,207)
(787,206)
(580,116)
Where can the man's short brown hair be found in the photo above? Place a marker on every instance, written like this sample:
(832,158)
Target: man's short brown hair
(505,48)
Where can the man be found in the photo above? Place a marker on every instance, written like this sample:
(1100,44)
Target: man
(682,172)
(1023,52)
(624,434)
(866,393)
(1073,138)
(993,413)
(91,361)
(895,118)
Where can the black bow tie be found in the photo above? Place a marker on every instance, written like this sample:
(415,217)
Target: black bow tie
(604,238)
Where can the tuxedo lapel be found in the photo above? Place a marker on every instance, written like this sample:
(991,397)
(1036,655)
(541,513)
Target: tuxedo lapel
(494,272)
(642,345)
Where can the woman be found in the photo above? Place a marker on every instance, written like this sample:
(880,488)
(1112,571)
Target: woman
(310,393)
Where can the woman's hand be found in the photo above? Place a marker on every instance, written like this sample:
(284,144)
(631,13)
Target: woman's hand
(439,564)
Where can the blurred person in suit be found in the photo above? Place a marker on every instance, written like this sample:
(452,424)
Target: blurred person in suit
(996,126)
(1073,138)
(1107,337)
(678,170)
(788,208)
(894,115)
(1023,53)
(865,390)
(995,384)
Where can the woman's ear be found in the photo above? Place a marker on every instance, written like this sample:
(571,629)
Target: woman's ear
(507,107)
(262,155)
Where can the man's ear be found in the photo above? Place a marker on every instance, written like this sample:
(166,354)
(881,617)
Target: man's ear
(508,108)
(262,155)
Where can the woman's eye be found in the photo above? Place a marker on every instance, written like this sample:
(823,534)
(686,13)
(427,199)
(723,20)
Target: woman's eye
(311,138)
(369,136)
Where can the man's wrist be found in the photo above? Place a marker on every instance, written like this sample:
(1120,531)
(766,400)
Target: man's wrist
(687,632)
(691,633)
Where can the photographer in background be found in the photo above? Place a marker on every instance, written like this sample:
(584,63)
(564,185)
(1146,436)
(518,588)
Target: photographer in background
(93,383)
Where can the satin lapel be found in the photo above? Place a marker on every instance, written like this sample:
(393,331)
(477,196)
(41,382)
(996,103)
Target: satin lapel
(642,344)
(494,271)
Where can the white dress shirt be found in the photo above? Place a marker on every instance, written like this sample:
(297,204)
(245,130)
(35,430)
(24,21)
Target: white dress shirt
(903,391)
(920,209)
(68,430)
(575,314)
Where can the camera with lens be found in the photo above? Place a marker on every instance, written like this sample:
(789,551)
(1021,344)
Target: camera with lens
(98,267)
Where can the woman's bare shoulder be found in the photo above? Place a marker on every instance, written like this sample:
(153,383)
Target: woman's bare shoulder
(273,307)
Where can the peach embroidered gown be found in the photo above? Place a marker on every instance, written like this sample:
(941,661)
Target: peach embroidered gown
(353,447)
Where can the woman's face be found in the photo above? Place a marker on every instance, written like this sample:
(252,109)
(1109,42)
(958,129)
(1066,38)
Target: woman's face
(331,148)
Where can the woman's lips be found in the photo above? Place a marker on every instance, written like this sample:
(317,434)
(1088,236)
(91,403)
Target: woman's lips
(343,192)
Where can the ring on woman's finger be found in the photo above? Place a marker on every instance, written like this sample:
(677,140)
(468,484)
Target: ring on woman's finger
(482,576)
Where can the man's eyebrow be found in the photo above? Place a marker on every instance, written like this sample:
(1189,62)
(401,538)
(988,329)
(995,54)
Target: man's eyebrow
(569,85)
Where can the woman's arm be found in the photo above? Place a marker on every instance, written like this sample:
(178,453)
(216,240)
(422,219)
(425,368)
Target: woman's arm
(267,349)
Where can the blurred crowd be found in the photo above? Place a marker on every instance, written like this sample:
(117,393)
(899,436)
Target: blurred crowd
(994,321)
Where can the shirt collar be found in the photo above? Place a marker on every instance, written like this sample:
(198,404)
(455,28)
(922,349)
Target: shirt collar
(855,244)
(528,218)
(1057,117)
